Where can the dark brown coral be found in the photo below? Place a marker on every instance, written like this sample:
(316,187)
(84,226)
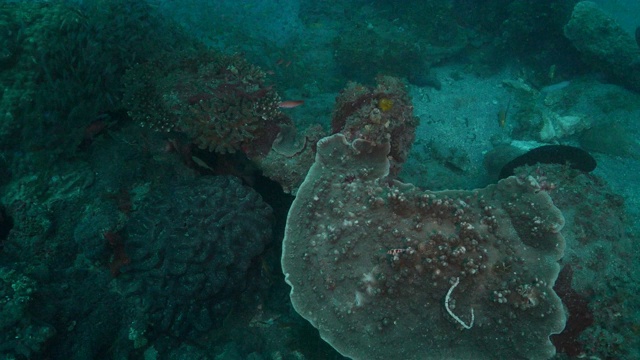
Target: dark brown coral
(220,101)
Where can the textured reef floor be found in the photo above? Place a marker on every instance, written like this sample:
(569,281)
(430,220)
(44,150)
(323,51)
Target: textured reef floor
(119,241)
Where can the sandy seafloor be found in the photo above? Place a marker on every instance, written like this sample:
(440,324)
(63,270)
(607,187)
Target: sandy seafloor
(461,118)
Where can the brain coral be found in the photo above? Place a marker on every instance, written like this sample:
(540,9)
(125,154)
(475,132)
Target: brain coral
(190,249)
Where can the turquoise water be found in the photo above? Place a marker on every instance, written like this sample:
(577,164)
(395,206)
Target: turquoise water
(156,198)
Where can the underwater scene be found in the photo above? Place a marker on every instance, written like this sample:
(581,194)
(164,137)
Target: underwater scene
(319,180)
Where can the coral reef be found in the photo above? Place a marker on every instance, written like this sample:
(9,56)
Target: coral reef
(599,115)
(532,31)
(598,248)
(62,69)
(454,274)
(188,252)
(220,101)
(552,114)
(23,336)
(580,317)
(406,47)
(377,114)
(119,242)
(380,114)
(291,157)
(604,44)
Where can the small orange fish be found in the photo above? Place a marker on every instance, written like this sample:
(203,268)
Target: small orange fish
(289,104)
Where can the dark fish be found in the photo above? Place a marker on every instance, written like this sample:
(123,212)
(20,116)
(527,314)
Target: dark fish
(575,157)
